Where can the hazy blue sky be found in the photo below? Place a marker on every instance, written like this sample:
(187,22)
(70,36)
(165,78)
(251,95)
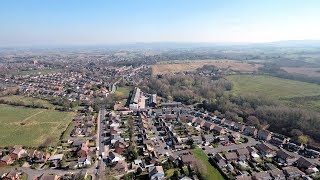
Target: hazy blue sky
(54,22)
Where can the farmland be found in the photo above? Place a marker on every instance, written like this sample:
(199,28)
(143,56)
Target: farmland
(31,127)
(272,86)
(311,72)
(179,66)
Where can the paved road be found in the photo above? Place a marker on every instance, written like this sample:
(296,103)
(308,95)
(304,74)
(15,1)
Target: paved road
(101,164)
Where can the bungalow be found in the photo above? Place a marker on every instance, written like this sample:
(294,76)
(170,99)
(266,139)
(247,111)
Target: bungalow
(277,174)
(284,158)
(243,153)
(156,173)
(38,156)
(6,160)
(218,130)
(239,127)
(264,135)
(231,156)
(261,176)
(251,131)
(265,150)
(306,166)
(292,172)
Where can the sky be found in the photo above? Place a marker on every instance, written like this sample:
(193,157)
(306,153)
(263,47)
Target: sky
(99,22)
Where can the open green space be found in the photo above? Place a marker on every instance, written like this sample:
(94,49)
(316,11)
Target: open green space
(206,169)
(263,85)
(31,127)
(40,71)
(27,101)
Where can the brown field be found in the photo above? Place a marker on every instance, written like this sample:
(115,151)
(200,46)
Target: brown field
(179,66)
(311,72)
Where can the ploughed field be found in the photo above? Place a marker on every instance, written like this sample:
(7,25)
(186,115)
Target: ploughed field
(31,127)
(192,65)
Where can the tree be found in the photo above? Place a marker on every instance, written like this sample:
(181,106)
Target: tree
(303,139)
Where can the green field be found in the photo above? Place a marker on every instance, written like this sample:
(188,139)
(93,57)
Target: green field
(27,101)
(31,127)
(42,71)
(272,86)
(206,169)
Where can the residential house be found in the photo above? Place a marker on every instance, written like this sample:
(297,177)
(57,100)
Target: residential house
(120,167)
(265,150)
(83,150)
(292,172)
(56,159)
(306,166)
(284,158)
(243,153)
(18,152)
(6,160)
(208,126)
(228,123)
(261,176)
(115,157)
(264,135)
(119,147)
(239,127)
(188,159)
(12,175)
(251,131)
(220,161)
(218,130)
(277,174)
(49,177)
(156,173)
(231,156)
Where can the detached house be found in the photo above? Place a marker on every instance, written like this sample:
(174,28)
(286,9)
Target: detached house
(18,152)
(264,135)
(156,173)
(306,166)
(218,130)
(208,126)
(285,158)
(6,160)
(252,131)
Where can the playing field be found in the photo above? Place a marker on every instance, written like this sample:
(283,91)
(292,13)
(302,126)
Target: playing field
(272,87)
(179,66)
(31,127)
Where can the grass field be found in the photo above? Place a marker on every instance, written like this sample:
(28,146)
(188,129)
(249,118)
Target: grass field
(207,170)
(272,86)
(179,66)
(33,72)
(31,127)
(27,101)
